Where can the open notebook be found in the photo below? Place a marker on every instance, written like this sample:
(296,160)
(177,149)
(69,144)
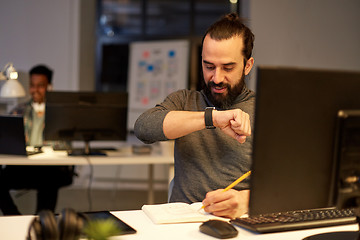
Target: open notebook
(178,212)
(12,136)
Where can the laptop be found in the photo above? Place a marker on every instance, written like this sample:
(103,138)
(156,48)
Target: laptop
(12,136)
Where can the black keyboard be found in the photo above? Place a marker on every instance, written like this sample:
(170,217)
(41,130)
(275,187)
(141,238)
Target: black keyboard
(296,220)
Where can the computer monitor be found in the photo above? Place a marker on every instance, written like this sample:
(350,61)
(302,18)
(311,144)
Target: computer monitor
(294,131)
(86,116)
(347,156)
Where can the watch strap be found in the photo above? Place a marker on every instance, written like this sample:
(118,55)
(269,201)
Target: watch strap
(208,118)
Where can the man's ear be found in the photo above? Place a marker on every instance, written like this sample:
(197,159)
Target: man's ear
(49,87)
(249,65)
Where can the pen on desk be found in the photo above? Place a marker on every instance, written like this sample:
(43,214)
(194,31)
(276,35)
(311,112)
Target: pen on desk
(235,183)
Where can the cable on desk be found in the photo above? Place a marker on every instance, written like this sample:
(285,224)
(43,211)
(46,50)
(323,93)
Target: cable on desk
(91,176)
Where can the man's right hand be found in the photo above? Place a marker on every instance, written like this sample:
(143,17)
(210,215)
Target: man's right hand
(235,123)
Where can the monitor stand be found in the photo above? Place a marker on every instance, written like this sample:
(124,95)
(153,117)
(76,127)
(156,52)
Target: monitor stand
(86,151)
(344,235)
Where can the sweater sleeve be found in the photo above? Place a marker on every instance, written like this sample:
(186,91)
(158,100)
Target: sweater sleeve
(149,126)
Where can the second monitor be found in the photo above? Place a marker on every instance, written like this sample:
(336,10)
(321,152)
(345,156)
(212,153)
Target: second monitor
(86,116)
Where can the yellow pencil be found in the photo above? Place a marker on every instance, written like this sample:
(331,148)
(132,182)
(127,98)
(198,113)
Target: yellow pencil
(235,182)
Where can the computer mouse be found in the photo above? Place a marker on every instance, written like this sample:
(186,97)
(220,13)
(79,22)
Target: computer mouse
(219,229)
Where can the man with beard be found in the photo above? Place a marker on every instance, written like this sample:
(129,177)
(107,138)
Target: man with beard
(211,127)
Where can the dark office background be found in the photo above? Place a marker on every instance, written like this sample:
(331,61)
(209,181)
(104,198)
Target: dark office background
(120,22)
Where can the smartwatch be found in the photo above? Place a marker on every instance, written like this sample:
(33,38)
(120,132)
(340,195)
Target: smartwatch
(208,118)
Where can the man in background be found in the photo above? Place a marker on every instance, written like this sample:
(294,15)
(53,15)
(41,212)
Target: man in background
(211,127)
(45,179)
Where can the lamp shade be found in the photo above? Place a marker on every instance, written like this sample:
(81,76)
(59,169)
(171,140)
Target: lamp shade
(12,89)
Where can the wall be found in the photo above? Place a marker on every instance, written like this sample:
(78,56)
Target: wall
(49,31)
(306,33)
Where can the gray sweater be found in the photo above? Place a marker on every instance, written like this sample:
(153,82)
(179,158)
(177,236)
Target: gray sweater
(205,160)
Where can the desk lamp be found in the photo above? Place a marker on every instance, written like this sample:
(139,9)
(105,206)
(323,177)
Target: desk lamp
(12,87)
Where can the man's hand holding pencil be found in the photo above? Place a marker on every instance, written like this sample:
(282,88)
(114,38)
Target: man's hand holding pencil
(228,202)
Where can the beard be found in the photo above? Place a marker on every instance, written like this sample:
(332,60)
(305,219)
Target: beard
(224,100)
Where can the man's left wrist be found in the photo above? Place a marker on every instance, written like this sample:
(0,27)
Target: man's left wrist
(209,117)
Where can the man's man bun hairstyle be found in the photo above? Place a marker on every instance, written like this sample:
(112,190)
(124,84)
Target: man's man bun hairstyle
(229,26)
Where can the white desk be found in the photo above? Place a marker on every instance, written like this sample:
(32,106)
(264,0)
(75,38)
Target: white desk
(15,228)
(122,157)
(50,157)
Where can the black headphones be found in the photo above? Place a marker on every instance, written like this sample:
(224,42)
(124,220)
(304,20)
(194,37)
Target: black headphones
(68,226)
